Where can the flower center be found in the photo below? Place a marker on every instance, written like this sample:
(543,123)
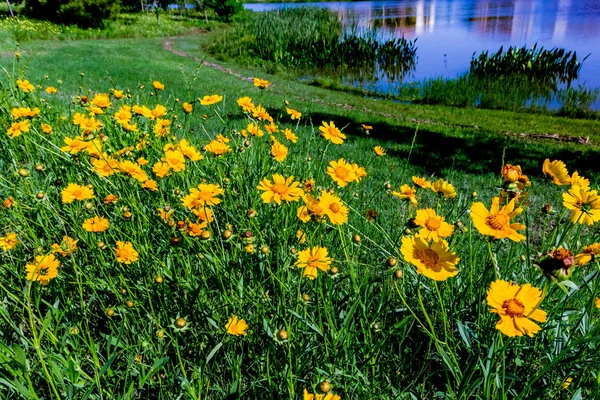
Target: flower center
(513,307)
(279,188)
(497,221)
(428,257)
(341,172)
(433,224)
(334,207)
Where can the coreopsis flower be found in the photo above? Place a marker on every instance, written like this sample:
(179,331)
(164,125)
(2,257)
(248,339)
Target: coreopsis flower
(303,214)
(218,148)
(584,205)
(187,107)
(101,100)
(328,396)
(407,193)
(9,241)
(96,224)
(18,128)
(260,113)
(312,260)
(309,185)
(74,192)
(433,226)
(24,112)
(125,252)
(90,125)
(311,208)
(289,135)
(261,83)
(123,115)
(205,195)
(293,113)
(222,138)
(517,306)
(341,172)
(254,130)
(511,173)
(421,182)
(443,188)
(556,171)
(133,169)
(597,303)
(246,103)
(143,111)
(194,229)
(150,185)
(141,161)
(204,215)
(161,169)
(333,207)
(158,86)
(432,260)
(279,151)
(118,94)
(158,111)
(8,202)
(110,199)
(189,151)
(331,133)
(175,160)
(279,189)
(301,236)
(165,214)
(51,90)
(236,327)
(367,128)
(47,129)
(360,172)
(25,85)
(43,269)
(380,151)
(577,180)
(210,100)
(271,128)
(588,254)
(66,247)
(105,165)
(496,221)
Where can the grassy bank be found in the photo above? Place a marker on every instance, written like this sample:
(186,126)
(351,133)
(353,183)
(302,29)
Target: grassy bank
(373,327)
(313,45)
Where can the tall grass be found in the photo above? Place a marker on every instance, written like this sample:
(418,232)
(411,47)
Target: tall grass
(309,38)
(545,67)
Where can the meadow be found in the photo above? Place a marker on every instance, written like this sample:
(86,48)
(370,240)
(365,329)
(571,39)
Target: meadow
(170,230)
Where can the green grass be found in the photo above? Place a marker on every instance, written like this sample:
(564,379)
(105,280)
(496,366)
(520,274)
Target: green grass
(368,333)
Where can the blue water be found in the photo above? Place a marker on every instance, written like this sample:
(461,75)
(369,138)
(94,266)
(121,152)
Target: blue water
(450,31)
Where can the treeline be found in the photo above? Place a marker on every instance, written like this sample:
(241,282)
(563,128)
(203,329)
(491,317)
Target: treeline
(95,13)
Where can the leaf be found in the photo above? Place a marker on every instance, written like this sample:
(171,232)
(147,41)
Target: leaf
(158,364)
(213,352)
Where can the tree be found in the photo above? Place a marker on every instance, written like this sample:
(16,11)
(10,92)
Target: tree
(226,8)
(84,13)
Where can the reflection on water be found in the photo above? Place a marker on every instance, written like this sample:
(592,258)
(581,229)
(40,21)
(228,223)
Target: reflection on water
(450,31)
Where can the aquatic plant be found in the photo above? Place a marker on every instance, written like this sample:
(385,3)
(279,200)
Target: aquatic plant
(536,64)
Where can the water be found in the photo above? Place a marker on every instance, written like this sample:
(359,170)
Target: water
(450,31)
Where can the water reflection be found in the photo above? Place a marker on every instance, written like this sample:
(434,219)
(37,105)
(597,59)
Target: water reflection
(450,31)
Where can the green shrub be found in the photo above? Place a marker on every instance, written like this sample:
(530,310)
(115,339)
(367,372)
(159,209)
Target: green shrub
(83,13)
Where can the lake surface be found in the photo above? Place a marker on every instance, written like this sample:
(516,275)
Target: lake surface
(450,31)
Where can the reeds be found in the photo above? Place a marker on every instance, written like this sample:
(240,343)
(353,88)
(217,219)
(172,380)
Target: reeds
(536,64)
(309,38)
